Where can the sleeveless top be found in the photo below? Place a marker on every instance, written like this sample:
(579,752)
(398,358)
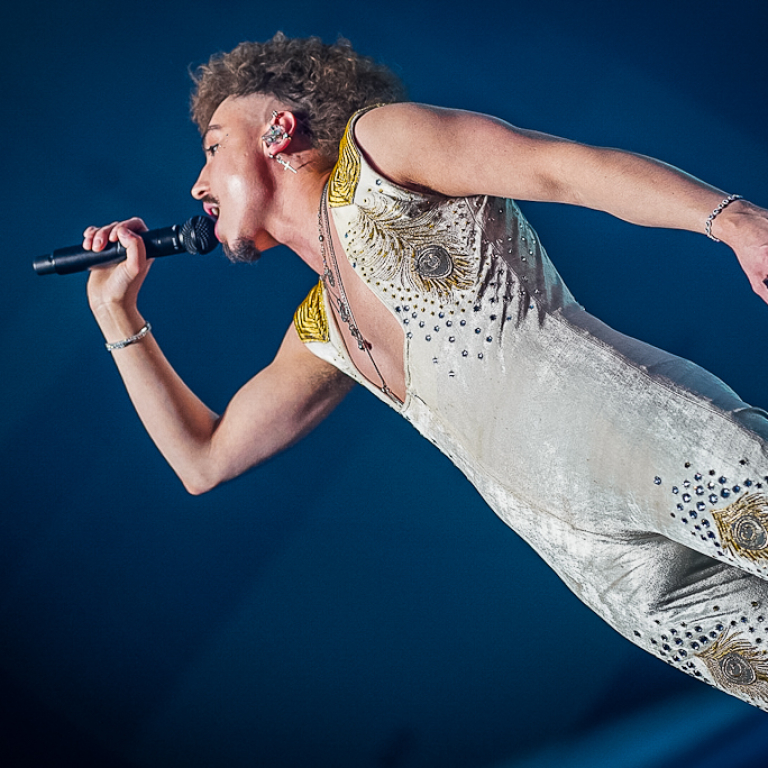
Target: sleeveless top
(462,276)
(628,469)
(536,401)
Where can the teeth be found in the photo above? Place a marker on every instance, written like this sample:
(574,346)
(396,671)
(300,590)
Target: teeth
(215,211)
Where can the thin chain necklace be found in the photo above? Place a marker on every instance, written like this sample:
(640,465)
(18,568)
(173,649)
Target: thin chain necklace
(333,279)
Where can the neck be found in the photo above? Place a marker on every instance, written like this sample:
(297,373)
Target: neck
(297,198)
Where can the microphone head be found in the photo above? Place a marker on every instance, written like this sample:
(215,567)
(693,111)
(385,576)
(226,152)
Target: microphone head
(198,235)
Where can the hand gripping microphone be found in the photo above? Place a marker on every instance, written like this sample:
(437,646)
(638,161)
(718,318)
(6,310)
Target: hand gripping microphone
(197,235)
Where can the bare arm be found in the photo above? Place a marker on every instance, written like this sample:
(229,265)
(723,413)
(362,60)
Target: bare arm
(275,408)
(465,153)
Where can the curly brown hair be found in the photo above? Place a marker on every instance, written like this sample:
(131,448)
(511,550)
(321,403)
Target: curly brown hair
(324,85)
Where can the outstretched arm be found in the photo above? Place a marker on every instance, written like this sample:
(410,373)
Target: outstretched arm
(275,408)
(464,153)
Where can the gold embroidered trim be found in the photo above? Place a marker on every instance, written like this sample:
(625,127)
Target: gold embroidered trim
(310,319)
(416,249)
(346,172)
(737,665)
(743,527)
(398,241)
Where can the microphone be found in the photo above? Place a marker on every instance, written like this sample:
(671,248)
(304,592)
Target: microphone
(197,235)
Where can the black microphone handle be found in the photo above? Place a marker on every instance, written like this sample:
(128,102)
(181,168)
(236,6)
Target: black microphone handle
(66,261)
(196,235)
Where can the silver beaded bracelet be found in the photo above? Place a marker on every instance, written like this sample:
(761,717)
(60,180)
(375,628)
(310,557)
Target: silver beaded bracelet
(720,208)
(113,345)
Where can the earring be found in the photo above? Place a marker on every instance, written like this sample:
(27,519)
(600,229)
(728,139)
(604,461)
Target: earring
(275,135)
(286,165)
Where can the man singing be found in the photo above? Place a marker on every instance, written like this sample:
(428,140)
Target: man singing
(638,476)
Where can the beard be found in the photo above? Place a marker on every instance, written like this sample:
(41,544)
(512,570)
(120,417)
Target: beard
(242,252)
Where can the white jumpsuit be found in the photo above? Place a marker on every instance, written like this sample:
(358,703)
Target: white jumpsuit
(639,477)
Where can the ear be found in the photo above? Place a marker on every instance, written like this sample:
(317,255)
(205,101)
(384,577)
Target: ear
(280,130)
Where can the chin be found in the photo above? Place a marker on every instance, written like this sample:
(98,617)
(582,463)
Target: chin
(242,252)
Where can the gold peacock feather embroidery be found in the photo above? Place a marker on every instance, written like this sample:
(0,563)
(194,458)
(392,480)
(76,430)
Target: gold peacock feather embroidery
(737,665)
(310,319)
(346,172)
(743,527)
(395,242)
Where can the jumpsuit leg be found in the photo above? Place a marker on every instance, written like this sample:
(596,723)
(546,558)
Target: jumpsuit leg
(704,617)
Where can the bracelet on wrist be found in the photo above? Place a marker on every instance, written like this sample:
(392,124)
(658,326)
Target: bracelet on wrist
(720,208)
(113,345)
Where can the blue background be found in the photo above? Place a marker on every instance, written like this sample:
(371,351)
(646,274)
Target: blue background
(352,602)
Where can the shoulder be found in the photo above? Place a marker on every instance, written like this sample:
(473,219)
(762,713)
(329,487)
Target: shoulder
(392,129)
(391,140)
(401,114)
(378,123)
(456,152)
(310,319)
(391,137)
(431,148)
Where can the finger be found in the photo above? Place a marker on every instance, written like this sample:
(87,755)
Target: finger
(88,234)
(96,238)
(760,287)
(101,236)
(134,224)
(136,252)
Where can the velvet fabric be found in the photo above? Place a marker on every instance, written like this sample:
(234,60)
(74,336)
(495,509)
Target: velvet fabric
(637,475)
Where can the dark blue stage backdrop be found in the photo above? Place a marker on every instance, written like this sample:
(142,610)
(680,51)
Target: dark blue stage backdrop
(377,614)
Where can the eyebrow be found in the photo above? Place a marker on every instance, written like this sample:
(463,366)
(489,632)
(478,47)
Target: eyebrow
(208,130)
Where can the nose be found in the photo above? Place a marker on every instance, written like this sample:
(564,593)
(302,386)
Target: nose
(200,187)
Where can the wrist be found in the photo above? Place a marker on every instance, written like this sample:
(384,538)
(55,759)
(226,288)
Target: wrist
(732,222)
(129,340)
(118,322)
